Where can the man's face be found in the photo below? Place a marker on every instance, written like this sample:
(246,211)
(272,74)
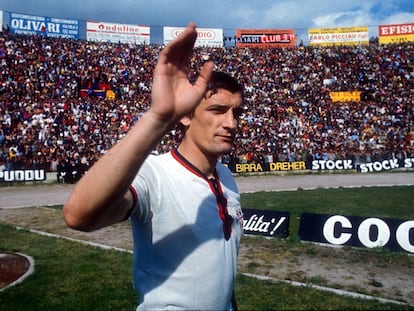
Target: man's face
(213,125)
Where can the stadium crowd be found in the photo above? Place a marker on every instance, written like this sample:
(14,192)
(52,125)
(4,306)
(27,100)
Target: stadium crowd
(52,115)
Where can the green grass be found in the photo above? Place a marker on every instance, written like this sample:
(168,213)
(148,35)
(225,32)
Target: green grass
(72,276)
(385,202)
(68,275)
(255,294)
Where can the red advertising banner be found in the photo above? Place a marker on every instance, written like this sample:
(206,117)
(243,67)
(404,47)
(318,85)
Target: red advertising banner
(265,38)
(397,33)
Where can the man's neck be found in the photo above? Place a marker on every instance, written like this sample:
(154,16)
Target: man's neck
(205,163)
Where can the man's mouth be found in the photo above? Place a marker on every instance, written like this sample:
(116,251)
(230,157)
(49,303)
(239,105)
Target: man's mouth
(227,138)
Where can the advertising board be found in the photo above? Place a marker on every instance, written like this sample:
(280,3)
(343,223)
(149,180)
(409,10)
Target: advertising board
(117,33)
(265,38)
(396,33)
(338,36)
(44,26)
(208,37)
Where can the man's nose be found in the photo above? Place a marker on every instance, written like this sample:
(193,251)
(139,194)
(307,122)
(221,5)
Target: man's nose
(229,120)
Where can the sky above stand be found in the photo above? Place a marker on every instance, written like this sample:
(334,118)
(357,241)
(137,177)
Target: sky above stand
(227,15)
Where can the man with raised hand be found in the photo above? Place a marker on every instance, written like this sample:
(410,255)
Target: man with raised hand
(184,205)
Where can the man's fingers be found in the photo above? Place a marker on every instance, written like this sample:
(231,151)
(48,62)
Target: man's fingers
(189,33)
(182,46)
(204,77)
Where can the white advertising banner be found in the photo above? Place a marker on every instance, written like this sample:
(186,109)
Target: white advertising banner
(210,37)
(338,36)
(1,20)
(117,33)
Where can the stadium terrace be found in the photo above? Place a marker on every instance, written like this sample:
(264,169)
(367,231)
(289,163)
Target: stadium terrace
(64,102)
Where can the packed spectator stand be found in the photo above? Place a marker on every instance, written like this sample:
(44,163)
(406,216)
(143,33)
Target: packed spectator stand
(53,116)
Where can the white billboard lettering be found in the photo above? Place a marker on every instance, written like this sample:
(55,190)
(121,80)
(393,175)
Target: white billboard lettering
(265,223)
(27,24)
(408,162)
(364,232)
(255,223)
(371,232)
(378,166)
(332,165)
(22,175)
(403,235)
(277,226)
(329,230)
(39,175)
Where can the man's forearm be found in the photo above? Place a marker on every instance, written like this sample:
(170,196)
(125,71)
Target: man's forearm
(101,197)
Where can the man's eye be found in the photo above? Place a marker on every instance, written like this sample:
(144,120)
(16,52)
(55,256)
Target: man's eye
(219,109)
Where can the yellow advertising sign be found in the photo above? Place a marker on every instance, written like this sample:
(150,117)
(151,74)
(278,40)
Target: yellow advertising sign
(354,96)
(338,36)
(396,33)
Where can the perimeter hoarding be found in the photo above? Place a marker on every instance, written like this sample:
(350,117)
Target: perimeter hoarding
(358,231)
(43,25)
(117,33)
(396,33)
(265,38)
(338,36)
(209,37)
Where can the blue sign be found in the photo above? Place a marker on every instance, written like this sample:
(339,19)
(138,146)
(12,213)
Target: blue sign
(44,26)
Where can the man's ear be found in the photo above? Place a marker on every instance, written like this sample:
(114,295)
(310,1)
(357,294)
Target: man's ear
(185,121)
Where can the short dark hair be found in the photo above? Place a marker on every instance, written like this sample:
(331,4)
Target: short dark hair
(220,80)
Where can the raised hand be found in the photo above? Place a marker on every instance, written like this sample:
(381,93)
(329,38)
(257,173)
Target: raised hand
(173,96)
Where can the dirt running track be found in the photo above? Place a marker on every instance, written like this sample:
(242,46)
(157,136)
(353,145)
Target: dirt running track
(336,266)
(12,197)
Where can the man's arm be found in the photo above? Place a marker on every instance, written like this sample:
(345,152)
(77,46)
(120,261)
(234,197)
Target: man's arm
(102,197)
